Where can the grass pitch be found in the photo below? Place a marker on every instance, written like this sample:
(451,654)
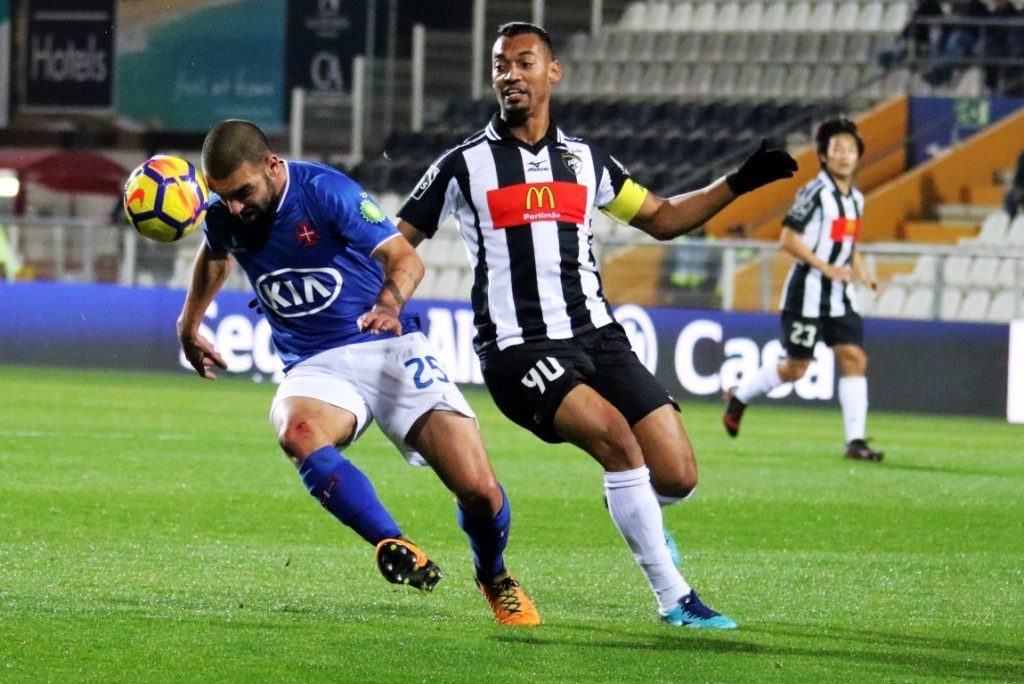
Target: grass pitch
(151,530)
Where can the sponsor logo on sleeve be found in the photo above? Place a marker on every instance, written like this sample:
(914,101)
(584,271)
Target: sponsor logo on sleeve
(425,182)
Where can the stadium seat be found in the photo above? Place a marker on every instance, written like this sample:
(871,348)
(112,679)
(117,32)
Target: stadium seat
(822,83)
(607,80)
(821,16)
(846,81)
(713,47)
(759,49)
(728,17)
(750,17)
(949,307)
(774,83)
(1010,274)
(774,17)
(809,47)
(975,305)
(655,80)
(620,45)
(703,18)
(896,16)
(1001,310)
(736,48)
(1015,232)
(870,19)
(984,272)
(579,44)
(750,81)
(858,49)
(681,18)
(956,270)
(919,303)
(890,303)
(798,18)
(993,229)
(845,18)
(702,81)
(687,48)
(635,16)
(657,16)
(797,82)
(724,83)
(678,80)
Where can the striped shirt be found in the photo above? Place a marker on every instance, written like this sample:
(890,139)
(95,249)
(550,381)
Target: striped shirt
(828,222)
(524,212)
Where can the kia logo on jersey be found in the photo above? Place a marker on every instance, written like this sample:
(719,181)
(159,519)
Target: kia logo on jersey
(524,203)
(295,292)
(845,229)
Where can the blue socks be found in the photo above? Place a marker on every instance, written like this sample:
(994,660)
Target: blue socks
(347,493)
(488,538)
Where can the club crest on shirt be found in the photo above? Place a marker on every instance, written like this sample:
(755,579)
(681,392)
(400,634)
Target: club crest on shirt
(573,163)
(370,210)
(306,235)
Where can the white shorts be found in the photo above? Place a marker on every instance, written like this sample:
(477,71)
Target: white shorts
(395,380)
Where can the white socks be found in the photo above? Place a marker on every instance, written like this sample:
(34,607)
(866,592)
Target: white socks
(635,511)
(763,382)
(853,399)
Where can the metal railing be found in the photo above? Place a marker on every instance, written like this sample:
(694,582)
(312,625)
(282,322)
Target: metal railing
(77,251)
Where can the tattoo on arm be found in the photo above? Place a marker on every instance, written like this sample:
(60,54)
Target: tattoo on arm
(391,288)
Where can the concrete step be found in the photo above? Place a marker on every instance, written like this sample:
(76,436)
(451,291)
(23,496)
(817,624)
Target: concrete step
(964,213)
(986,195)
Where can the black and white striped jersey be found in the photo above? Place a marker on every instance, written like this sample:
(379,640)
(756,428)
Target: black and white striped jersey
(524,213)
(829,223)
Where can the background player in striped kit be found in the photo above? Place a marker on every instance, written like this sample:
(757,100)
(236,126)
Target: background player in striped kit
(553,357)
(818,300)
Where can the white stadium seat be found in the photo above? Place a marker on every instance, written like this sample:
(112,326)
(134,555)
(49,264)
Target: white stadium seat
(631,79)
(896,16)
(751,17)
(703,17)
(956,270)
(579,46)
(798,17)
(984,272)
(821,16)
(1001,309)
(845,18)
(681,18)
(993,230)
(678,79)
(890,303)
(687,49)
(1011,273)
(728,17)
(655,80)
(870,19)
(774,81)
(919,303)
(634,17)
(975,305)
(657,16)
(949,307)
(774,17)
(1015,233)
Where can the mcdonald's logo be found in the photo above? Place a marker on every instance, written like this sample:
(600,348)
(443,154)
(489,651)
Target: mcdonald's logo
(523,204)
(845,229)
(539,193)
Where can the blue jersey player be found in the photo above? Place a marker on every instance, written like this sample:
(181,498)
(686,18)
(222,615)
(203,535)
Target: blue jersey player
(332,274)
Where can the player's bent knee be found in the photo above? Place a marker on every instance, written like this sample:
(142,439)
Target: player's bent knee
(299,438)
(676,488)
(482,496)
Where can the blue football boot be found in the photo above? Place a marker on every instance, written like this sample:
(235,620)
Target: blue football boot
(691,612)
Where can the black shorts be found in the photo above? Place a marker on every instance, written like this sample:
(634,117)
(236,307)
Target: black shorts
(799,334)
(529,381)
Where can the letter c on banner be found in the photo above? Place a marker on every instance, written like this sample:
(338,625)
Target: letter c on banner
(688,377)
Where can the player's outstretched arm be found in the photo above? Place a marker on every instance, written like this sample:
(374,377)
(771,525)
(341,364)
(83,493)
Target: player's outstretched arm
(403,271)
(209,272)
(668,218)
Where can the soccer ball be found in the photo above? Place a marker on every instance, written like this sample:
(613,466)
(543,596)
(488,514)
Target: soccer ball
(166,198)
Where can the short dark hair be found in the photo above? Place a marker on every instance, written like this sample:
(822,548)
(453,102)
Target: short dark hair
(830,128)
(512,29)
(230,144)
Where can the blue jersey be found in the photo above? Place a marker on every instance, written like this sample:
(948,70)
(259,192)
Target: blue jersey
(309,262)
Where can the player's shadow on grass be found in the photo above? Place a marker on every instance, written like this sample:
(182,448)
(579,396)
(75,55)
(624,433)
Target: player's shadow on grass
(945,469)
(929,656)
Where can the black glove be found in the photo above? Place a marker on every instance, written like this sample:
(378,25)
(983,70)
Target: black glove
(761,168)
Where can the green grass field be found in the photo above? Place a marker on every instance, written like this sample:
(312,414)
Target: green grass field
(151,530)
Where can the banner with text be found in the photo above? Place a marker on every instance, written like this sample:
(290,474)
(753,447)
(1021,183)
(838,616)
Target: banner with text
(957,368)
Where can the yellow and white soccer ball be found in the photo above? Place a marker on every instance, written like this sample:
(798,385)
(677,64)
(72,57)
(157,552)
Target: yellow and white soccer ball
(166,198)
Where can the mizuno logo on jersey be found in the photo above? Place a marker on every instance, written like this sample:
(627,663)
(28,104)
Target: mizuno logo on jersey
(845,229)
(522,204)
(295,292)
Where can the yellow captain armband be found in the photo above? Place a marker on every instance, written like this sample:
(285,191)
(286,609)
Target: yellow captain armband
(627,203)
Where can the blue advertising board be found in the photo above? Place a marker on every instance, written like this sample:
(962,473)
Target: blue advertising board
(957,368)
